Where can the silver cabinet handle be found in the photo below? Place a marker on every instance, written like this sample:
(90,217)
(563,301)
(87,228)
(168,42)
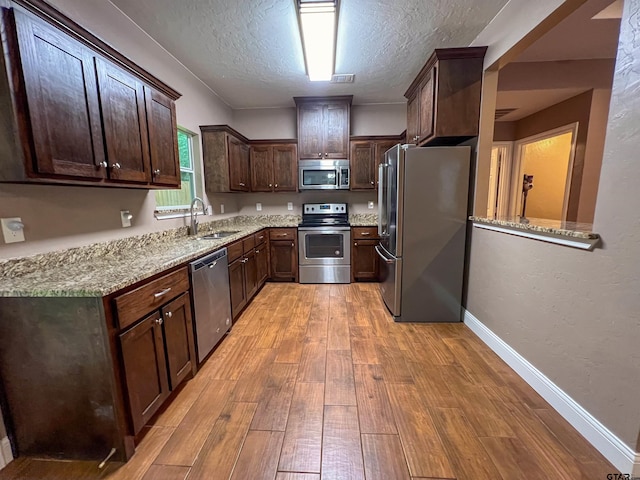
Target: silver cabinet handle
(372,183)
(365,234)
(326,154)
(270,185)
(116,166)
(159,321)
(169,314)
(162,293)
(355,244)
(156,171)
(103,164)
(319,154)
(257,251)
(292,244)
(242,184)
(276,185)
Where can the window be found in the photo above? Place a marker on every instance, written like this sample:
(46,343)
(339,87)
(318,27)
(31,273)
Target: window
(181,199)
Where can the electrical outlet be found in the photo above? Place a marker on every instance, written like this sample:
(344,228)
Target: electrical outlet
(289,205)
(13,230)
(259,207)
(209,210)
(222,208)
(125,217)
(370,205)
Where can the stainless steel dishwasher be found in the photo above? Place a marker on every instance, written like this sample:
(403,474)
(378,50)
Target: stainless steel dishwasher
(211,300)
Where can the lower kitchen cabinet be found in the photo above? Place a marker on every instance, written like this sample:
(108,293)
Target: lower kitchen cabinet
(158,352)
(237,287)
(247,266)
(262,258)
(143,357)
(365,264)
(283,249)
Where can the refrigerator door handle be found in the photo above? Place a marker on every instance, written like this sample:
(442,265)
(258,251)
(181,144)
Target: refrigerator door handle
(382,185)
(382,255)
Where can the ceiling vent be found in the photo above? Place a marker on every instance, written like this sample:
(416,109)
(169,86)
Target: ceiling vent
(501,112)
(345,78)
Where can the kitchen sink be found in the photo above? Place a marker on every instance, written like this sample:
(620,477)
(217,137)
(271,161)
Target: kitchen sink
(218,235)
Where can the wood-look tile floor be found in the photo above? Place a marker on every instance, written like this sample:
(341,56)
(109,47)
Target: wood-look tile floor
(317,382)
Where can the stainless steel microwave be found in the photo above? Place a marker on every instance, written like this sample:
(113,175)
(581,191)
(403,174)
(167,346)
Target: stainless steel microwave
(324,174)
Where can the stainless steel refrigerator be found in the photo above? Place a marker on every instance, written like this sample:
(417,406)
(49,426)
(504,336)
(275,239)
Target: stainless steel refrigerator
(422,217)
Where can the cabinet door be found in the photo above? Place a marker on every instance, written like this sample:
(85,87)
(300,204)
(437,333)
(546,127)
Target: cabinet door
(413,119)
(361,162)
(261,168)
(285,168)
(237,287)
(251,274)
(262,264)
(125,123)
(284,260)
(145,369)
(378,158)
(310,131)
(238,155)
(427,104)
(364,260)
(336,125)
(163,138)
(178,335)
(62,96)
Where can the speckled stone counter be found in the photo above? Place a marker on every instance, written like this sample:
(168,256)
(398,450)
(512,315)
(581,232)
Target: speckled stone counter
(100,269)
(363,219)
(571,234)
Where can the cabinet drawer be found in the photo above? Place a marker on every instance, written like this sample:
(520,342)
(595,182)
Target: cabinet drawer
(248,243)
(282,233)
(235,251)
(260,237)
(134,305)
(364,232)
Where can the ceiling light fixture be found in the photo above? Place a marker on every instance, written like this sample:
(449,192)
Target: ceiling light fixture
(318,20)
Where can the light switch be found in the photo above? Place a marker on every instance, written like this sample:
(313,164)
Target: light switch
(222,208)
(13,230)
(370,205)
(259,207)
(289,205)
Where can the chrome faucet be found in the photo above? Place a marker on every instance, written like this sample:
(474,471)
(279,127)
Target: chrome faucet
(193,230)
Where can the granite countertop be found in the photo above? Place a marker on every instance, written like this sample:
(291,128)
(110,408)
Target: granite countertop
(104,268)
(101,269)
(539,225)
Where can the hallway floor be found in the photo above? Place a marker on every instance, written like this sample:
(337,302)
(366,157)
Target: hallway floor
(317,382)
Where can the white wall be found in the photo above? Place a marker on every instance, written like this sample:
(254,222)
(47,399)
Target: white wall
(266,123)
(379,119)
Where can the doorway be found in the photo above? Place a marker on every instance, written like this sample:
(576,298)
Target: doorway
(500,180)
(544,163)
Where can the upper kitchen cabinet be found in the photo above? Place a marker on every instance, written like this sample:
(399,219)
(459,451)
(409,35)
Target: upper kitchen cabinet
(226,159)
(274,166)
(366,154)
(444,100)
(323,127)
(83,113)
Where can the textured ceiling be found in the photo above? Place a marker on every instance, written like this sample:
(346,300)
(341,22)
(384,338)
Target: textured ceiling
(249,51)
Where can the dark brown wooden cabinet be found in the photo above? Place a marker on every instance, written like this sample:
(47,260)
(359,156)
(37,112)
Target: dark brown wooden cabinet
(158,352)
(84,114)
(125,124)
(283,249)
(143,357)
(274,167)
(365,264)
(366,154)
(323,127)
(246,270)
(237,287)
(444,99)
(225,154)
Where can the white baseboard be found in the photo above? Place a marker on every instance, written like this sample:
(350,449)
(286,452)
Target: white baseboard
(6,455)
(611,447)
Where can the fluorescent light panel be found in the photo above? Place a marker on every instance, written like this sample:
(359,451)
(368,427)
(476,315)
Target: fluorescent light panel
(318,24)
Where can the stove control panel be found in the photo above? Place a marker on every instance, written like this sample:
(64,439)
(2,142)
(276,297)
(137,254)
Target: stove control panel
(324,208)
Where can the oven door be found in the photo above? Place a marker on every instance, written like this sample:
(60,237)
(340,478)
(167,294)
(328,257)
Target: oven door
(324,246)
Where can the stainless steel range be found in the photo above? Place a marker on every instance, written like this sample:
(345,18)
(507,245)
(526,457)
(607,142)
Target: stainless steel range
(324,239)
